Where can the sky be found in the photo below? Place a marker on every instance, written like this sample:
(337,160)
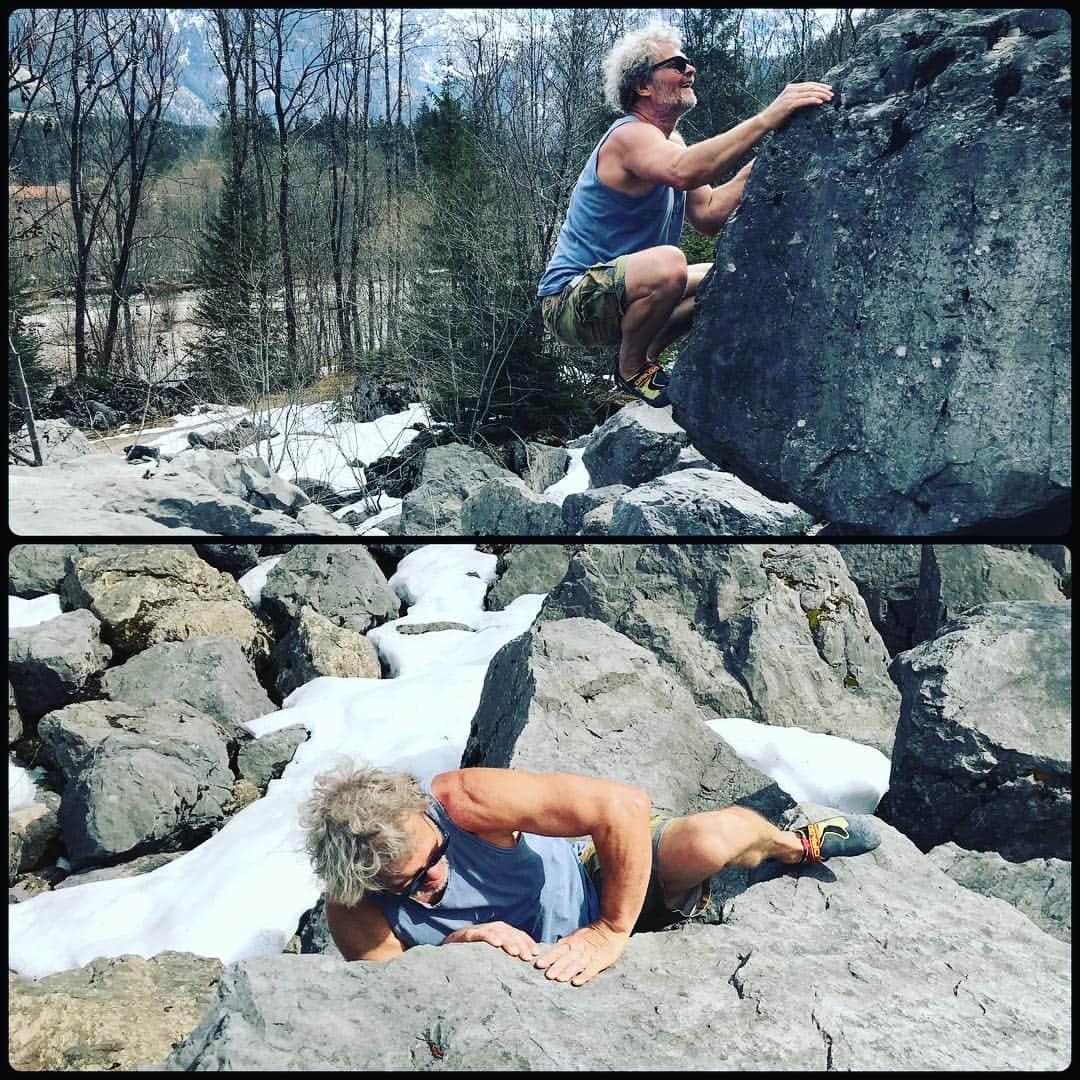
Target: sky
(241,892)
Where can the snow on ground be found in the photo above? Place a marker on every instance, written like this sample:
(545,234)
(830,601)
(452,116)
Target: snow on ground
(241,893)
(309,443)
(253,581)
(22,790)
(576,479)
(31,612)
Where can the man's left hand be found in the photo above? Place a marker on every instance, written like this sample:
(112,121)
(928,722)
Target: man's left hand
(586,952)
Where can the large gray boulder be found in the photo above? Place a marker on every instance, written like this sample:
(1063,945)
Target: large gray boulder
(633,446)
(576,695)
(885,337)
(449,475)
(956,577)
(983,752)
(109,496)
(704,502)
(777,634)
(834,968)
(526,568)
(507,506)
(1040,888)
(146,594)
(36,569)
(210,674)
(138,779)
(343,583)
(51,663)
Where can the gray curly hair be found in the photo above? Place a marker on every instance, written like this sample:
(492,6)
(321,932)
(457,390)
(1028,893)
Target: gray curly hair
(627,65)
(354,827)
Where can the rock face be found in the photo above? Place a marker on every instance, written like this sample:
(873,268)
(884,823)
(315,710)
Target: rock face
(138,780)
(204,493)
(577,691)
(777,634)
(884,941)
(49,664)
(1040,888)
(983,747)
(867,344)
(145,595)
(111,1014)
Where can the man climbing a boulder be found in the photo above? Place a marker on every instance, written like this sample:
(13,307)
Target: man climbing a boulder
(618,276)
(482,855)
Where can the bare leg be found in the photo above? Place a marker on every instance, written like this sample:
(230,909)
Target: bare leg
(681,318)
(694,848)
(655,282)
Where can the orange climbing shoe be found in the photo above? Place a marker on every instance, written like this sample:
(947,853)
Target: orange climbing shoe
(649,384)
(836,836)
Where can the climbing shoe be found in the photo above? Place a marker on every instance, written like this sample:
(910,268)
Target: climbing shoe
(835,836)
(649,384)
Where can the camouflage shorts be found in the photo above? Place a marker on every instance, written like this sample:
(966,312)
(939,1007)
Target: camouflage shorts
(589,312)
(654,915)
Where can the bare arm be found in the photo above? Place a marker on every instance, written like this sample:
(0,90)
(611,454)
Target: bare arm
(361,932)
(708,208)
(644,151)
(614,814)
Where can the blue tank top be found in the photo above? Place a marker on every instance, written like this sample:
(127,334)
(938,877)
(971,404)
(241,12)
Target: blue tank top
(538,885)
(602,223)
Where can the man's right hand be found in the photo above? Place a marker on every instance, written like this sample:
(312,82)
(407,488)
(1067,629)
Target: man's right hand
(502,935)
(795,96)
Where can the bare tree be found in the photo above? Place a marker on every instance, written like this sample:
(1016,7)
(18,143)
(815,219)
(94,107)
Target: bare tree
(149,81)
(293,84)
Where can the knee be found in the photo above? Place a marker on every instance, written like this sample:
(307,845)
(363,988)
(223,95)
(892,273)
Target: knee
(673,267)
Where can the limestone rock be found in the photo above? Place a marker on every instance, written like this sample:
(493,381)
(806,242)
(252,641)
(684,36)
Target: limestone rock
(264,759)
(983,748)
(577,691)
(342,583)
(31,831)
(57,439)
(111,1014)
(507,506)
(1040,888)
(449,475)
(538,464)
(316,646)
(704,502)
(578,504)
(634,446)
(51,663)
(109,496)
(526,568)
(139,780)
(36,569)
(885,940)
(145,595)
(209,673)
(887,576)
(957,577)
(865,344)
(776,634)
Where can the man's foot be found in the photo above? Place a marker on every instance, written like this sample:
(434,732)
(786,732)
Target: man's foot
(649,384)
(836,836)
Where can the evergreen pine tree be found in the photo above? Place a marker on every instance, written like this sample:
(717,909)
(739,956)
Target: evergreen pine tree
(237,354)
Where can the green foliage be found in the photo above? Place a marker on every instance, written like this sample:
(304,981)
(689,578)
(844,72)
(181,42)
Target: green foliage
(472,324)
(239,350)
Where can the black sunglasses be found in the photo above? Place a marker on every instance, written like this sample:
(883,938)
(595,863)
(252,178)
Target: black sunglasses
(417,879)
(680,63)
